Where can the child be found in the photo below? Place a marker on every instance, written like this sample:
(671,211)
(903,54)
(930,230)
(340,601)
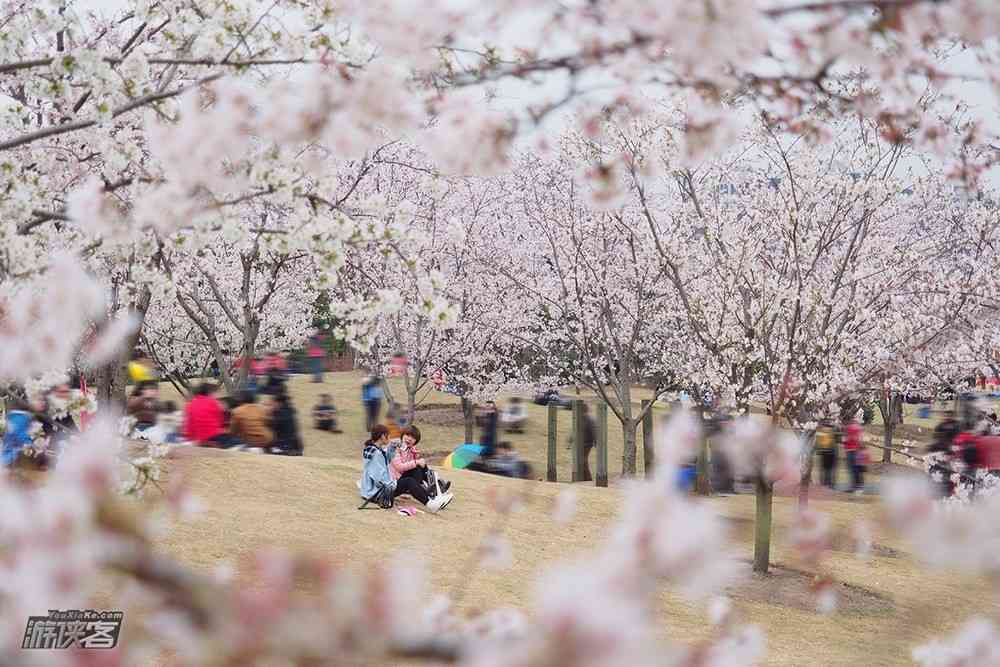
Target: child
(325,414)
(409,462)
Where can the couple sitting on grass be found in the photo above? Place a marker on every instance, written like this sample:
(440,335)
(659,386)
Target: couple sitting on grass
(393,468)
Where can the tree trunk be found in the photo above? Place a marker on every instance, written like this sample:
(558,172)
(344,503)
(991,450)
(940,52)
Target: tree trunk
(888,431)
(112,378)
(629,426)
(807,469)
(703,482)
(762,526)
(112,382)
(411,403)
(887,405)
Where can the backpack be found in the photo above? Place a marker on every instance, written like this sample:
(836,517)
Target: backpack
(383,497)
(431,484)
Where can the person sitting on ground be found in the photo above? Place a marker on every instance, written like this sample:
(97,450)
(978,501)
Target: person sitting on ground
(506,462)
(17,434)
(251,422)
(325,414)
(409,462)
(377,484)
(52,411)
(143,405)
(204,420)
(514,417)
(285,425)
(170,421)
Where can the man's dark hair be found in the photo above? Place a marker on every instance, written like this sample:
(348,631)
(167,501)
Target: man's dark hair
(205,389)
(378,431)
(247,397)
(411,431)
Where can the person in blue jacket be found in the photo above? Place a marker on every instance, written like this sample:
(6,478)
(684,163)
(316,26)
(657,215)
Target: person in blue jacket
(17,434)
(371,397)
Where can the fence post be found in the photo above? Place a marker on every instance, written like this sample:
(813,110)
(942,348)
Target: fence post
(550,473)
(648,455)
(469,421)
(577,454)
(601,478)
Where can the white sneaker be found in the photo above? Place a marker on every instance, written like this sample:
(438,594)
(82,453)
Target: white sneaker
(438,503)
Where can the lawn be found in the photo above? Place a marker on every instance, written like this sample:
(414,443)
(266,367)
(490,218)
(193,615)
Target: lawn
(890,603)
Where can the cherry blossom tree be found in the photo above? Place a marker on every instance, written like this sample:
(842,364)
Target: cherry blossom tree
(798,271)
(596,289)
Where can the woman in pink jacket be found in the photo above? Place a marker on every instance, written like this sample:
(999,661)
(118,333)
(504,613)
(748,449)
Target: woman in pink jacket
(409,462)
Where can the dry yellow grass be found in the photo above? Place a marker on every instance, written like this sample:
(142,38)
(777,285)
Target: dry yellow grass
(310,503)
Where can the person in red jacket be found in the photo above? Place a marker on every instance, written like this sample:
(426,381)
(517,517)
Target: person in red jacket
(204,420)
(854,448)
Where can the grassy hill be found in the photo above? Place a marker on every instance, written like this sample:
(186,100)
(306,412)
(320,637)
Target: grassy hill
(889,602)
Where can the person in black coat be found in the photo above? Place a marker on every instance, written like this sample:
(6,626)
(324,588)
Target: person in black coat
(285,425)
(488,440)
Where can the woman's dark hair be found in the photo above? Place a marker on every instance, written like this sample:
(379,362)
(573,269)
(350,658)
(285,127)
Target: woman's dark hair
(205,389)
(411,431)
(378,431)
(19,404)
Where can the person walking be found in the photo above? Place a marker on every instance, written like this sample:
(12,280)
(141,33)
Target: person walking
(316,354)
(826,448)
(853,448)
(371,398)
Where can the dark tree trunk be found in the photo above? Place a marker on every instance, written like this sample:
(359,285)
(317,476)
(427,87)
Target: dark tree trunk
(112,378)
(762,526)
(703,482)
(807,467)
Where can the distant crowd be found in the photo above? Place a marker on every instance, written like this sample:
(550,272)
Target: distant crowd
(262,418)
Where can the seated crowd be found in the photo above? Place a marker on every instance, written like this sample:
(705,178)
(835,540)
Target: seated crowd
(264,422)
(36,429)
